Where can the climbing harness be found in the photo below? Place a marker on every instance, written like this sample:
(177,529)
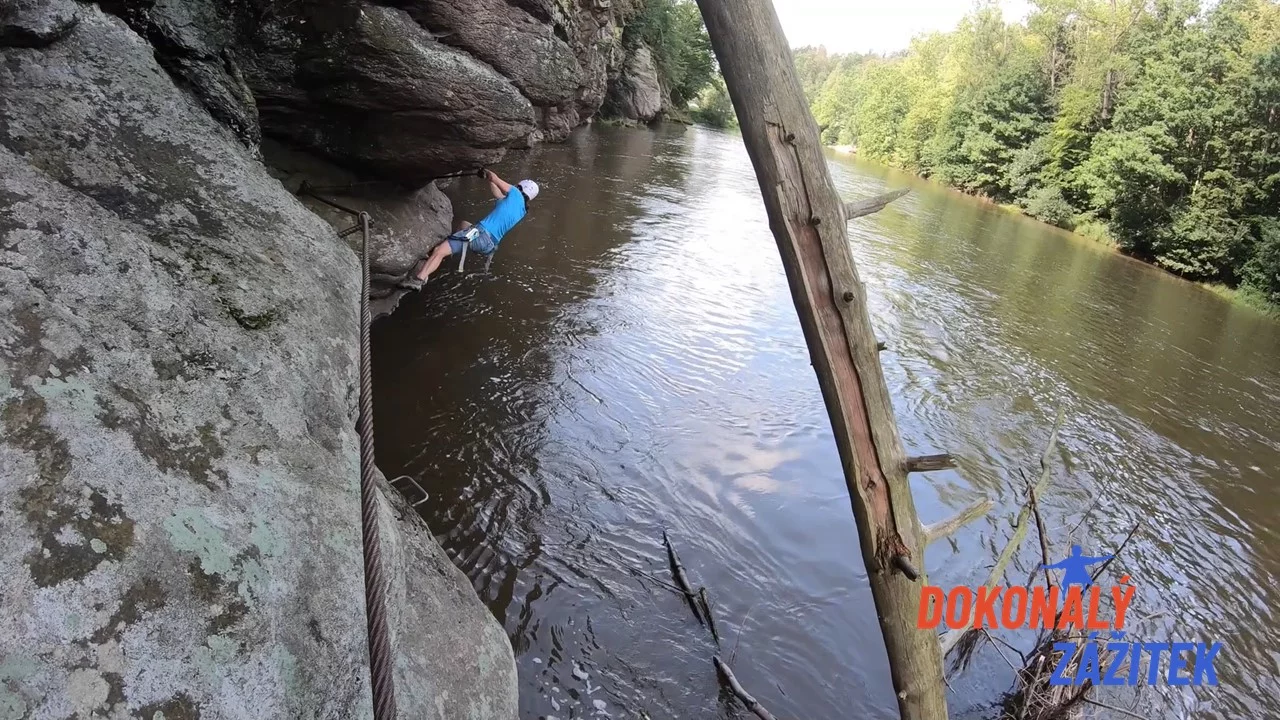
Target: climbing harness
(381,665)
(462,259)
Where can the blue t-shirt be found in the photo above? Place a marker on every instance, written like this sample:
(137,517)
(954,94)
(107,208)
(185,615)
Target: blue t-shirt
(505,215)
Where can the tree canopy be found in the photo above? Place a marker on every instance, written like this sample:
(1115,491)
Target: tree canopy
(1156,119)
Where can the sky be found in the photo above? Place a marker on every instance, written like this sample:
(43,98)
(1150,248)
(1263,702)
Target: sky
(874,26)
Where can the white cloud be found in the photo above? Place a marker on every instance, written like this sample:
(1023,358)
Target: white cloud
(881,26)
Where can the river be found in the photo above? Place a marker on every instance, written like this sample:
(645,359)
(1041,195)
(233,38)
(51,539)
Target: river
(633,363)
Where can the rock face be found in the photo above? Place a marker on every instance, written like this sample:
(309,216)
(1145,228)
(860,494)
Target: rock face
(35,23)
(636,93)
(406,89)
(540,64)
(179,509)
(407,223)
(389,99)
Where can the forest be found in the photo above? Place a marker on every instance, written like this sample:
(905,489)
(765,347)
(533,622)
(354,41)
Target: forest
(1152,125)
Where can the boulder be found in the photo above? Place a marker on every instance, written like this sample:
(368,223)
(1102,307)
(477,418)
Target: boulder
(637,93)
(179,517)
(35,23)
(368,86)
(592,29)
(196,41)
(470,672)
(596,36)
(407,222)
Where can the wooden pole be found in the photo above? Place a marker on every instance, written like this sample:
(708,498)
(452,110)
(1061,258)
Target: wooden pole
(808,222)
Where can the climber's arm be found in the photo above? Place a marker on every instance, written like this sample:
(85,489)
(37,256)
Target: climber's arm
(497,185)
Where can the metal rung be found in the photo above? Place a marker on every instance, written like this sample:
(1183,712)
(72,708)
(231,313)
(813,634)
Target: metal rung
(414,483)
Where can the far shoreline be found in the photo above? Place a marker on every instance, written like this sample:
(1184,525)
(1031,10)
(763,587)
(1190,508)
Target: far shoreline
(1233,295)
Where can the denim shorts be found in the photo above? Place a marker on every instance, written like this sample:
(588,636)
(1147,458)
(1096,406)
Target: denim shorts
(481,242)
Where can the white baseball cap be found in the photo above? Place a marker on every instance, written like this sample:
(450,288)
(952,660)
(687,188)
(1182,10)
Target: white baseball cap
(529,187)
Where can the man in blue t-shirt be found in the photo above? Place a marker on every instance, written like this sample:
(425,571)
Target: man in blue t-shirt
(484,236)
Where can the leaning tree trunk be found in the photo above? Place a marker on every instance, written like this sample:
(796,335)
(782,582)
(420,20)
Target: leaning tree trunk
(808,222)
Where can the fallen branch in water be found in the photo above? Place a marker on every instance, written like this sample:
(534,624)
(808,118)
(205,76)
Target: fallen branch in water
(1064,648)
(948,527)
(952,638)
(1107,563)
(654,578)
(729,679)
(706,610)
(1083,517)
(700,598)
(677,570)
(1034,698)
(741,627)
(1044,541)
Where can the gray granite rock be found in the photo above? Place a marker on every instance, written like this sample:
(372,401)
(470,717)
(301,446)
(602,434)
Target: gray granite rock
(179,510)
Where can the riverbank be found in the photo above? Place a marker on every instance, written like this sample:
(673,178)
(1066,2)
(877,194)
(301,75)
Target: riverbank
(1097,232)
(1243,296)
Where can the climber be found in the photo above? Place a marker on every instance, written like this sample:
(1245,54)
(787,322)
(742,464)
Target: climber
(484,236)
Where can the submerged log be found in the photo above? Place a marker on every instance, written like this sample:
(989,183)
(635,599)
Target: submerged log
(682,580)
(729,679)
(808,221)
(948,527)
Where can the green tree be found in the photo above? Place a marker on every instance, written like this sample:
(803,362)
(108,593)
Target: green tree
(836,107)
(814,65)
(673,31)
(1262,271)
(883,102)
(1000,106)
(1158,119)
(714,107)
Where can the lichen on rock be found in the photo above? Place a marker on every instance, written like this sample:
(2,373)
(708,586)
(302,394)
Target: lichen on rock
(179,515)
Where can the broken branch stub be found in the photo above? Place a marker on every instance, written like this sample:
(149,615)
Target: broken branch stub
(859,208)
(929,463)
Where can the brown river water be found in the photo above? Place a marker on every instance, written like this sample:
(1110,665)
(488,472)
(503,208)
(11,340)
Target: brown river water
(633,363)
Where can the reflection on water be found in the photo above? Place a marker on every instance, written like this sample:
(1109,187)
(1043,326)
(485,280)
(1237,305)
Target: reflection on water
(634,364)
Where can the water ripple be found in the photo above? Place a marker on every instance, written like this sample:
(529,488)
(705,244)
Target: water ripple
(634,365)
